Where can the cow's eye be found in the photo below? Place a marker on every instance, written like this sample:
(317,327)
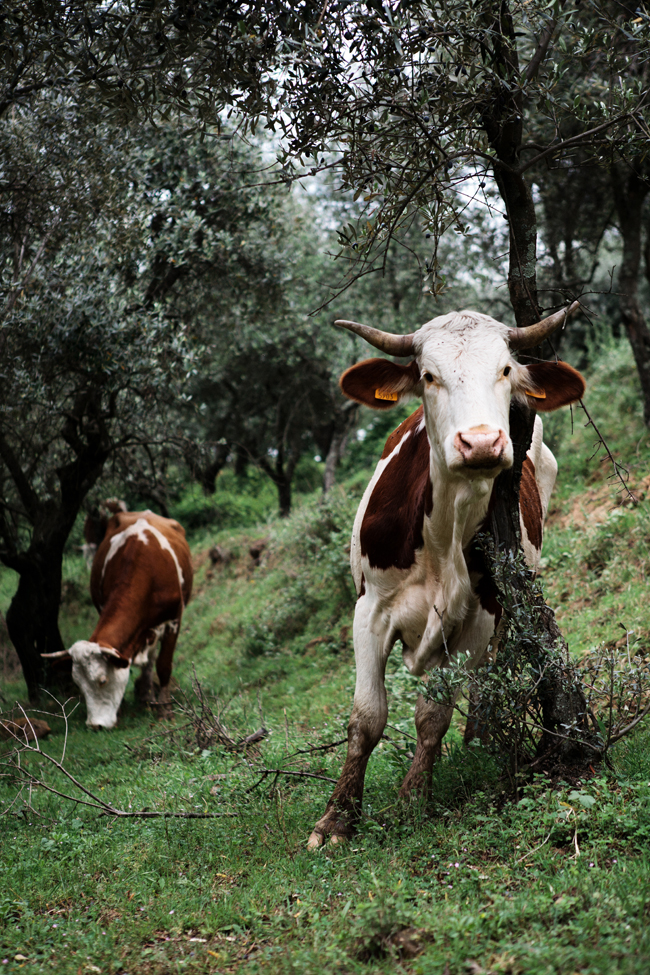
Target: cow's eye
(507,371)
(428,377)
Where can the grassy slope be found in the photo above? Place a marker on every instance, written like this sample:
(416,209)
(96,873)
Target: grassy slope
(555,884)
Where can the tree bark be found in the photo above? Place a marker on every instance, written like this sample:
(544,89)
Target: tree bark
(32,618)
(630,189)
(503,122)
(344,418)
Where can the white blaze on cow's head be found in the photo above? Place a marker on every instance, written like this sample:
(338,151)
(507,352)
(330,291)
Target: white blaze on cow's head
(102,675)
(465,374)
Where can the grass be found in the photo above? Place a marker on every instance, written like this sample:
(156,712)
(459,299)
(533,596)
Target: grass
(554,883)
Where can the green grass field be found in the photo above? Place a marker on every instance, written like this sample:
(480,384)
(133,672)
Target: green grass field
(473,882)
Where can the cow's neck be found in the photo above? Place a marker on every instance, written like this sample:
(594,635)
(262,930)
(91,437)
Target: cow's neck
(465,504)
(122,628)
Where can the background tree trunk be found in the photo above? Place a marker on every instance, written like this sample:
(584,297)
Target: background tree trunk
(630,189)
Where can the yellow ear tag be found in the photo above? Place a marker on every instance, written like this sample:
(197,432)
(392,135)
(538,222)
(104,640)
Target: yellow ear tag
(386,394)
(540,395)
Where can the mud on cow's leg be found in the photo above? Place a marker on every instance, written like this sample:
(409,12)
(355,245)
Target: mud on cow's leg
(365,729)
(164,668)
(344,808)
(432,723)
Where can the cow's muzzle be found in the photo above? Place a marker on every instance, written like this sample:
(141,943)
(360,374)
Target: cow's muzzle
(481,449)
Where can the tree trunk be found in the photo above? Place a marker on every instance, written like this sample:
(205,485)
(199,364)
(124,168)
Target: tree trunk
(332,459)
(33,619)
(344,418)
(503,123)
(630,190)
(283,485)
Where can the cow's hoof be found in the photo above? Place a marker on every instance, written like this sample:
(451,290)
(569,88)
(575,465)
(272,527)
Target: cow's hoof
(334,828)
(339,839)
(316,840)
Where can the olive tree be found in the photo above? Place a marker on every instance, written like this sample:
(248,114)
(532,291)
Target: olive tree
(84,365)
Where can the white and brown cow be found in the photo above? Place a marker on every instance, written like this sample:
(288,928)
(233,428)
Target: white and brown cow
(415,565)
(141,581)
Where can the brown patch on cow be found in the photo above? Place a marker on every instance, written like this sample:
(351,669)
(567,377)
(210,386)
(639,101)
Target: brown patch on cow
(391,531)
(362,589)
(405,427)
(530,504)
(560,383)
(362,382)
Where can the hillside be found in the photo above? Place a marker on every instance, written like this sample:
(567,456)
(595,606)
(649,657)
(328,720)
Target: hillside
(555,882)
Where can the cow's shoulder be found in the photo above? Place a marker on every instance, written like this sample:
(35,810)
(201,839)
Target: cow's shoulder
(411,423)
(391,530)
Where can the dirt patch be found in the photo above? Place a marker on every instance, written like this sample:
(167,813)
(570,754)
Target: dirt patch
(593,506)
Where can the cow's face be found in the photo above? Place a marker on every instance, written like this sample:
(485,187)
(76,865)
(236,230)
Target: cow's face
(466,376)
(102,678)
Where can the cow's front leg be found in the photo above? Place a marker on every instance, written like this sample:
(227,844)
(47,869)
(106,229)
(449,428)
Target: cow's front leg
(365,729)
(432,723)
(144,690)
(164,667)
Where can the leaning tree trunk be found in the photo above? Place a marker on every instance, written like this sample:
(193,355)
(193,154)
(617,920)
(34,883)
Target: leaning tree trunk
(630,190)
(503,122)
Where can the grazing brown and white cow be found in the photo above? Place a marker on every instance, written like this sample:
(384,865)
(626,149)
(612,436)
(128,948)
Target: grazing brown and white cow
(141,581)
(415,568)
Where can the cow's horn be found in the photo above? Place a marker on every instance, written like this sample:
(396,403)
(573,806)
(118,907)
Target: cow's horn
(386,341)
(111,652)
(58,655)
(526,338)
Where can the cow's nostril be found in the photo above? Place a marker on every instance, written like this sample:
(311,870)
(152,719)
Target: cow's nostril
(480,448)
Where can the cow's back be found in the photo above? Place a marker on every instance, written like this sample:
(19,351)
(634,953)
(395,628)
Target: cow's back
(142,549)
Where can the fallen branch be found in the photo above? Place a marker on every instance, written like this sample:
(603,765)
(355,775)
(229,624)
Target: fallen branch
(318,748)
(283,771)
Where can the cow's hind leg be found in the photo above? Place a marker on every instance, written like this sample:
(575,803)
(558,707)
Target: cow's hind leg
(365,729)
(432,722)
(164,667)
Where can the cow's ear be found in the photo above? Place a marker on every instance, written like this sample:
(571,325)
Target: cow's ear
(380,383)
(552,385)
(113,657)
